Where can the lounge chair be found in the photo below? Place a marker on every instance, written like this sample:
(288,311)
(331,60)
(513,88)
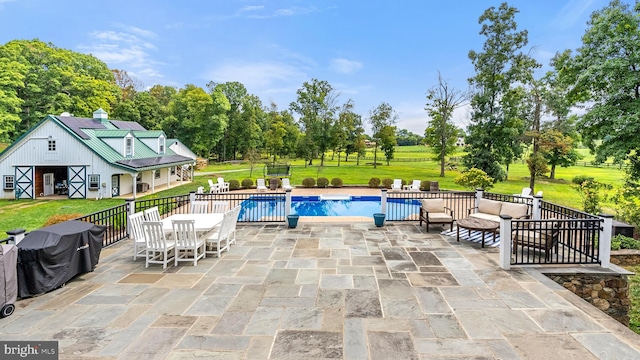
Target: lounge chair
(260,186)
(286,185)
(526,193)
(415,186)
(213,188)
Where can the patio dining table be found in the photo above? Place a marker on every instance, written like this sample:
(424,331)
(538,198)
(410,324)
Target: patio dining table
(203,222)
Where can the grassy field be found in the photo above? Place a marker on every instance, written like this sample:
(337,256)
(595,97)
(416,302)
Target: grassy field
(32,214)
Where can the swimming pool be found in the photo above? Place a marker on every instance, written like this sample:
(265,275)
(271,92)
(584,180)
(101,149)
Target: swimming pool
(328,205)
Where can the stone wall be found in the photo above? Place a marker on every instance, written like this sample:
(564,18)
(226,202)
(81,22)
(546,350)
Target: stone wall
(607,292)
(625,257)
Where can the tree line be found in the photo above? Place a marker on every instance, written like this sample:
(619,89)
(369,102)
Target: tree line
(222,120)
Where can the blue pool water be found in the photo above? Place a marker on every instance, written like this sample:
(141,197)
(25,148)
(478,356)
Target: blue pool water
(259,207)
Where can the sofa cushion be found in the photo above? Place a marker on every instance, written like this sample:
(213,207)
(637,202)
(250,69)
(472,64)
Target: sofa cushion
(440,217)
(433,205)
(514,210)
(484,216)
(491,207)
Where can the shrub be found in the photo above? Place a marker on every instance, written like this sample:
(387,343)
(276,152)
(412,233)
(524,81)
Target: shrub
(234,184)
(336,182)
(323,182)
(425,185)
(578,180)
(374,183)
(624,242)
(475,178)
(308,182)
(56,219)
(386,183)
(246,183)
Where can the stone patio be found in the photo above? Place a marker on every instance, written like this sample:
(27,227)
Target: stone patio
(321,291)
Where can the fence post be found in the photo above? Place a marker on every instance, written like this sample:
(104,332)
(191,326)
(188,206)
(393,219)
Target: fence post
(383,201)
(536,207)
(505,242)
(131,208)
(287,203)
(479,194)
(192,196)
(604,244)
(17,235)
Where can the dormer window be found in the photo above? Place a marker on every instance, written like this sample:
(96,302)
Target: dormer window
(128,145)
(161,144)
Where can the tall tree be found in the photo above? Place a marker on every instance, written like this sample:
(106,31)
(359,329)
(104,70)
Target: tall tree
(317,105)
(198,119)
(441,134)
(379,117)
(40,79)
(604,77)
(387,137)
(496,128)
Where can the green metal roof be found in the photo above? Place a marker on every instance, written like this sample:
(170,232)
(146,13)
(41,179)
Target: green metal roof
(110,133)
(148,134)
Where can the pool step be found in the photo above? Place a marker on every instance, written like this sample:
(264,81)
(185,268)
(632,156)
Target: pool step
(335,197)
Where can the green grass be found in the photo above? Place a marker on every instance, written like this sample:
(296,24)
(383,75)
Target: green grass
(32,214)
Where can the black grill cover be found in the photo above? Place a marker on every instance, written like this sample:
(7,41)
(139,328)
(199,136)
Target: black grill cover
(53,255)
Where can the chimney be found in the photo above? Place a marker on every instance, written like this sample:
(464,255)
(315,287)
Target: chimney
(100,115)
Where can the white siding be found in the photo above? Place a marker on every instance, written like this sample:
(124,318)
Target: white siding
(151,143)
(116,144)
(180,149)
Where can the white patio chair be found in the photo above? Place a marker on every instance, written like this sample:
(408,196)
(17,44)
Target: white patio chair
(397,185)
(199,207)
(217,240)
(526,192)
(415,186)
(213,188)
(286,185)
(158,247)
(222,185)
(234,222)
(137,234)
(539,193)
(152,214)
(188,246)
(219,207)
(260,186)
(200,190)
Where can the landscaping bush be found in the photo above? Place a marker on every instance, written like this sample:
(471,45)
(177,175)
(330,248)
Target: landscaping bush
(246,183)
(323,182)
(578,180)
(624,242)
(475,178)
(234,184)
(425,185)
(278,179)
(56,219)
(336,182)
(308,182)
(374,183)
(386,183)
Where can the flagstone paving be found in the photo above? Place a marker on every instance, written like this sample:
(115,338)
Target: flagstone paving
(321,291)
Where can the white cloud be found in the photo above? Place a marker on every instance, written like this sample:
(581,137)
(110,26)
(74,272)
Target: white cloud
(571,13)
(345,66)
(259,76)
(129,49)
(251,8)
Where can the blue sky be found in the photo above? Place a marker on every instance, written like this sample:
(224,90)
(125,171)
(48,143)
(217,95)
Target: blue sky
(369,51)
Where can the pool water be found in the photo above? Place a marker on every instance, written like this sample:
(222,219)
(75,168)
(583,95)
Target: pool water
(397,209)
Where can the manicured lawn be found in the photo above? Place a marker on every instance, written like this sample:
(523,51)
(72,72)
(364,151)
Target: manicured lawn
(31,215)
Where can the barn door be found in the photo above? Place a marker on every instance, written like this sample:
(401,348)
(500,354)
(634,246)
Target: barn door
(115,185)
(47,180)
(77,182)
(24,182)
